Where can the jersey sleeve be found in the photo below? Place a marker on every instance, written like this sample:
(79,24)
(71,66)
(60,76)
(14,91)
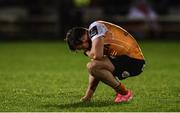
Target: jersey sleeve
(97,30)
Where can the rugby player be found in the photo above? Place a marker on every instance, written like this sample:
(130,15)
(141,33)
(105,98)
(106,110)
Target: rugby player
(115,55)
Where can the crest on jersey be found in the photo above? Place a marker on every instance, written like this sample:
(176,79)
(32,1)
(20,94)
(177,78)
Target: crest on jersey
(93,31)
(125,74)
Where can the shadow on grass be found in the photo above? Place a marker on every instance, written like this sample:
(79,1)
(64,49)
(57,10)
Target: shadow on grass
(82,104)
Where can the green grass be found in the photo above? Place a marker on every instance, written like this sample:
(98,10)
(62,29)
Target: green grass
(46,76)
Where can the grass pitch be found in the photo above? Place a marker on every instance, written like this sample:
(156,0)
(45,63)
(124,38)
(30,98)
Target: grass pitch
(46,76)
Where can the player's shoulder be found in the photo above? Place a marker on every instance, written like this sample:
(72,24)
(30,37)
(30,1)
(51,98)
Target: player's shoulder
(104,24)
(98,25)
(97,29)
(95,23)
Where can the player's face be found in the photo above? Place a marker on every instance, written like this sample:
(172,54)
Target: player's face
(85,43)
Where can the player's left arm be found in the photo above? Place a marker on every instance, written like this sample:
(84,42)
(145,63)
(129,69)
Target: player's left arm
(93,83)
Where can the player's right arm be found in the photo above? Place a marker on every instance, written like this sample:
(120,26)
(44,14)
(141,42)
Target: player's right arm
(97,33)
(96,51)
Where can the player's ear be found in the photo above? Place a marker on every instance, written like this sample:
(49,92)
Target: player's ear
(68,35)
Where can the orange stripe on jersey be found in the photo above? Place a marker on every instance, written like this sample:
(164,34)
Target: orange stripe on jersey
(120,42)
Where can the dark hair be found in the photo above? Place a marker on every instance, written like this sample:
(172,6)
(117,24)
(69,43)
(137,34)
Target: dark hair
(73,37)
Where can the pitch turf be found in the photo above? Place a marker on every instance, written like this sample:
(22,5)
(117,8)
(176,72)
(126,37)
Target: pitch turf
(45,76)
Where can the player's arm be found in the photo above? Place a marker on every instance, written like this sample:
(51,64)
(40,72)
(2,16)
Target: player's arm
(96,51)
(97,33)
(93,83)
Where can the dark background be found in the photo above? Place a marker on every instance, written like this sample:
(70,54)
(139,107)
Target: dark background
(50,19)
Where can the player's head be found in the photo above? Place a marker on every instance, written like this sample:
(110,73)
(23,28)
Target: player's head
(78,39)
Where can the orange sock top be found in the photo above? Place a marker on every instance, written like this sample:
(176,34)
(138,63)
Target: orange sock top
(121,89)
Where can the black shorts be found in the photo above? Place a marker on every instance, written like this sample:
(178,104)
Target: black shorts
(126,66)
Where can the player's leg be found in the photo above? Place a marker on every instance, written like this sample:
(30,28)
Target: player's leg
(102,70)
(126,67)
(93,83)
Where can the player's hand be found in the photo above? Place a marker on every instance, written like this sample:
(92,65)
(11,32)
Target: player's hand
(85,99)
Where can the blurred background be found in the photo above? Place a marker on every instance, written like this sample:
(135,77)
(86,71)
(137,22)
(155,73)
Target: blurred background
(50,19)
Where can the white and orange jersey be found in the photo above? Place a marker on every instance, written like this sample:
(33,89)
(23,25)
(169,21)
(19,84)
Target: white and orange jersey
(117,41)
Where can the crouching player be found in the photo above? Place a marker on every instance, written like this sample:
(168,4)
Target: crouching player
(114,53)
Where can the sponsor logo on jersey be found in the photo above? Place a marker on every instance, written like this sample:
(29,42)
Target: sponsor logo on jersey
(93,31)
